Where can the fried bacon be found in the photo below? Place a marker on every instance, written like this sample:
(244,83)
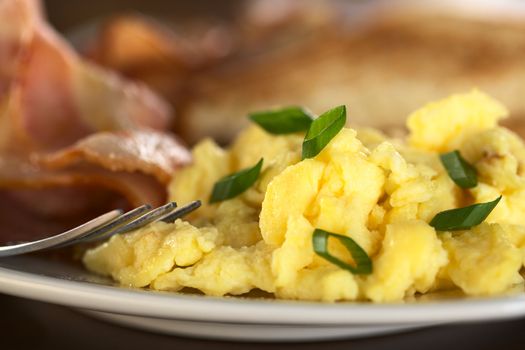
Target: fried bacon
(75,139)
(153,153)
(15,33)
(136,187)
(53,98)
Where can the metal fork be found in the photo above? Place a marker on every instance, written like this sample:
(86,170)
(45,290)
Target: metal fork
(103,227)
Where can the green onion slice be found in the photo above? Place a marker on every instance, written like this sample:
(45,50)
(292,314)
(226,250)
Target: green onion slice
(459,170)
(283,121)
(362,260)
(322,130)
(232,185)
(463,218)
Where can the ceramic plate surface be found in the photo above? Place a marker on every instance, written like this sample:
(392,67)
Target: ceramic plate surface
(263,319)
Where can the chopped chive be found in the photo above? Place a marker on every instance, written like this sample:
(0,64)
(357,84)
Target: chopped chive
(232,185)
(322,130)
(463,218)
(363,264)
(283,121)
(459,170)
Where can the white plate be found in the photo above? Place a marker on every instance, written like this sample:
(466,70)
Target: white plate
(232,318)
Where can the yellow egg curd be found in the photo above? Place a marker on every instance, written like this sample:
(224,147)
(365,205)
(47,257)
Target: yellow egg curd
(379,191)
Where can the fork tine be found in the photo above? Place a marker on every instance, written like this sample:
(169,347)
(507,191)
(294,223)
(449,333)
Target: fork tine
(145,219)
(180,212)
(121,220)
(164,213)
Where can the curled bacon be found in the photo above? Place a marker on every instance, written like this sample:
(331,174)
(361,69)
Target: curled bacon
(73,132)
(153,153)
(53,98)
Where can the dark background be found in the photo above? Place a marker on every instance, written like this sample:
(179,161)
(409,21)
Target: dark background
(66,15)
(27,324)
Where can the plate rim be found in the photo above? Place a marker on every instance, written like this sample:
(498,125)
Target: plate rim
(97,297)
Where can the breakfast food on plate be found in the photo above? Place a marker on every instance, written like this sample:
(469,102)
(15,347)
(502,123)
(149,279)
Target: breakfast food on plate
(308,209)
(296,206)
(71,130)
(383,63)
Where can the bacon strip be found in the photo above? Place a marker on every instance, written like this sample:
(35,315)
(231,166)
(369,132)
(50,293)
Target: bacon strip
(149,152)
(53,98)
(15,34)
(70,131)
(45,188)
(137,188)
(35,201)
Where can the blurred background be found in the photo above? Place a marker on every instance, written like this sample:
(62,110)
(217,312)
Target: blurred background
(217,61)
(66,15)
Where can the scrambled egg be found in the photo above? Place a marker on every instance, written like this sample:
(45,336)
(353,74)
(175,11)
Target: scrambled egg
(381,192)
